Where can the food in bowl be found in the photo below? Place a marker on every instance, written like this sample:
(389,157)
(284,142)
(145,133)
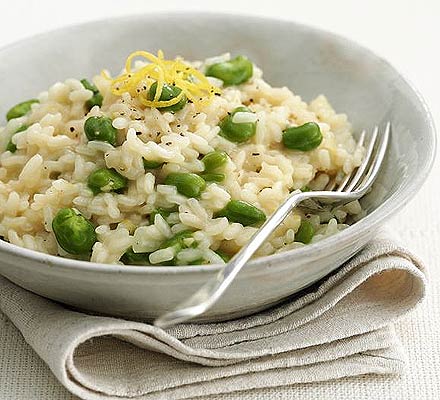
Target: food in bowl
(169,163)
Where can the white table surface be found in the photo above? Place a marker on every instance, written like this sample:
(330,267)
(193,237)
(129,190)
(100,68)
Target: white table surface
(404,32)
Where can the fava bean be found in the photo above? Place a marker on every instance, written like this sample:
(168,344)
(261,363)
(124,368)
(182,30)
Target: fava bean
(225,257)
(243,213)
(106,180)
(96,99)
(11,146)
(305,137)
(305,232)
(148,164)
(177,241)
(100,128)
(233,72)
(190,185)
(199,261)
(132,258)
(20,109)
(74,233)
(237,132)
(214,160)
(168,92)
(213,177)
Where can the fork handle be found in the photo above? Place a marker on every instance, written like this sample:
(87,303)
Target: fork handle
(212,290)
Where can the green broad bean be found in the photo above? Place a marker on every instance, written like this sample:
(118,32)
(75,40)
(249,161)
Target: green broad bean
(168,92)
(96,99)
(237,133)
(225,257)
(305,137)
(106,180)
(213,177)
(11,146)
(214,160)
(242,212)
(89,86)
(100,128)
(132,258)
(74,233)
(148,164)
(190,185)
(233,72)
(20,109)
(199,261)
(177,241)
(305,232)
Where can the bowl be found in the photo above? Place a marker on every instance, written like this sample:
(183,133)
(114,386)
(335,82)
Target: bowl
(308,60)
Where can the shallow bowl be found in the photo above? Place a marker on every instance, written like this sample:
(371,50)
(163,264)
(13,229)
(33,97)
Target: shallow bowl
(308,60)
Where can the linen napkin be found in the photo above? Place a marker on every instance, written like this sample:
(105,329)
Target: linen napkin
(340,327)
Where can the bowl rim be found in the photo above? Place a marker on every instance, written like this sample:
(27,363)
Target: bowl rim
(385,210)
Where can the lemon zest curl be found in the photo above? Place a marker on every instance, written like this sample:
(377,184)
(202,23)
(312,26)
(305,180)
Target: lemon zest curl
(193,83)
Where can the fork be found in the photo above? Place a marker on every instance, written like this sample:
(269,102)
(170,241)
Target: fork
(352,187)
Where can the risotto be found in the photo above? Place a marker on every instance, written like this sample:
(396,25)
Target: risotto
(169,163)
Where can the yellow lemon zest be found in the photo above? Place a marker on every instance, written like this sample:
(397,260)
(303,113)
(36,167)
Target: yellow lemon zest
(193,83)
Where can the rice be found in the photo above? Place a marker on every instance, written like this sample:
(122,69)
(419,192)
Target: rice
(244,117)
(53,160)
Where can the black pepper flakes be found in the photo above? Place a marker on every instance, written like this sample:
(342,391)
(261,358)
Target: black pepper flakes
(72,129)
(255,154)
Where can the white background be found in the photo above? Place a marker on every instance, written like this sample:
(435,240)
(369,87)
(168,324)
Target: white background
(404,32)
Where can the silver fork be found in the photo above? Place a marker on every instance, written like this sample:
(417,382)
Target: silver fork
(352,187)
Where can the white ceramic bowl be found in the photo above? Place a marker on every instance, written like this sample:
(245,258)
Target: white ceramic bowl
(309,61)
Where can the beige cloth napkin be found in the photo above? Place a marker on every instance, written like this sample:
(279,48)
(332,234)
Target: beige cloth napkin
(339,327)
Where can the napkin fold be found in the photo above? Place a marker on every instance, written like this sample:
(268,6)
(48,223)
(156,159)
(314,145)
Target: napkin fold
(341,326)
